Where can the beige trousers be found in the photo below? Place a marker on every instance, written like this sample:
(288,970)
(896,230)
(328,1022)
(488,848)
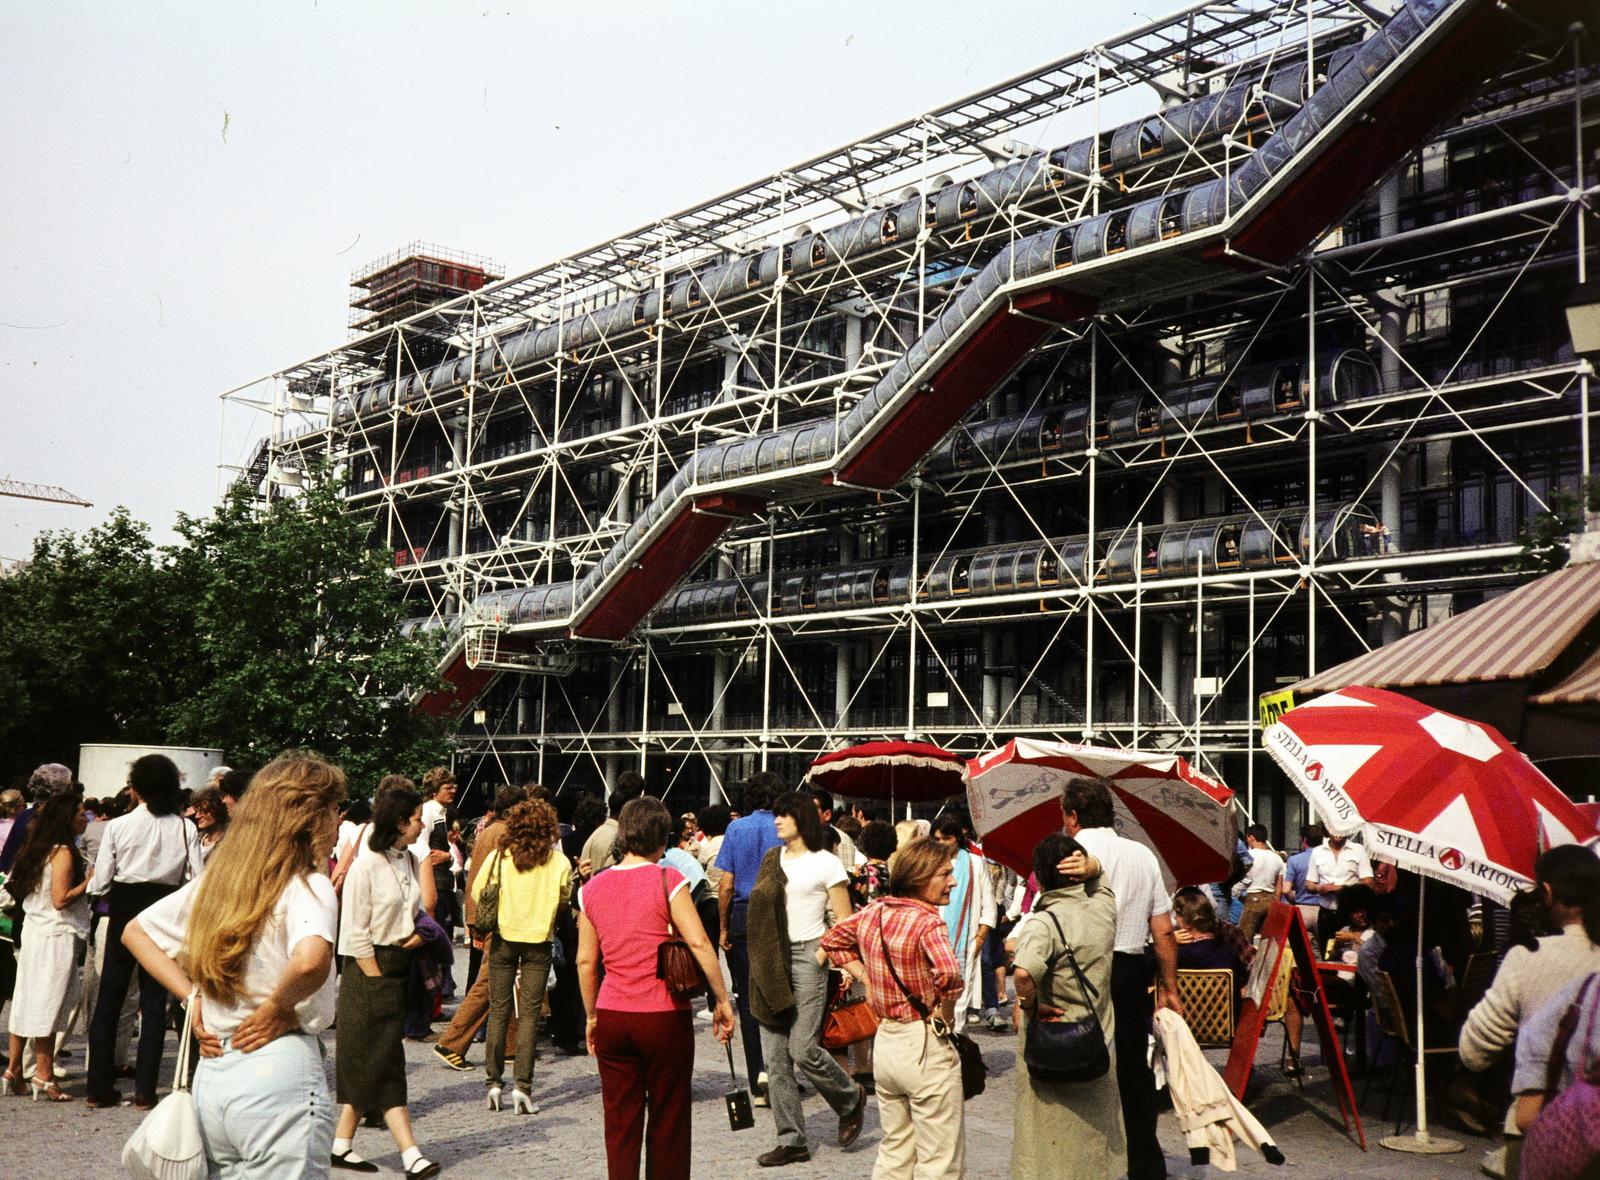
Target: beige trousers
(919,1105)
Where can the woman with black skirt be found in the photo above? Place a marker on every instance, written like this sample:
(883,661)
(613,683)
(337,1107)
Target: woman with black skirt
(377,931)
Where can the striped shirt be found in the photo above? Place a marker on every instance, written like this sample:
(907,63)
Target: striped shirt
(913,933)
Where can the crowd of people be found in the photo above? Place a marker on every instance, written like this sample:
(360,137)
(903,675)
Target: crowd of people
(266,914)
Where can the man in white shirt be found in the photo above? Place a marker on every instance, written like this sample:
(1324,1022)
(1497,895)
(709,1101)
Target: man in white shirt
(433,853)
(1335,865)
(1259,886)
(438,793)
(1144,912)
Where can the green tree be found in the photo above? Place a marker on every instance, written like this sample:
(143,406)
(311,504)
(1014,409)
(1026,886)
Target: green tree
(299,639)
(97,644)
(1545,547)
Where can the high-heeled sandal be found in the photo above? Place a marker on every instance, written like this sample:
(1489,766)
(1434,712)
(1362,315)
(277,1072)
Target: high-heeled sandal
(14,1084)
(522,1103)
(51,1091)
(494,1097)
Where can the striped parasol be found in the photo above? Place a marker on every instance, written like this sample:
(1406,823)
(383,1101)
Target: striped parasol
(1183,816)
(901,772)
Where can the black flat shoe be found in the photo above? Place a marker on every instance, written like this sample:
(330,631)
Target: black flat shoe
(350,1162)
(780,1156)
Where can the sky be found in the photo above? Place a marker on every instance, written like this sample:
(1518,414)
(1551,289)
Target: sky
(185,189)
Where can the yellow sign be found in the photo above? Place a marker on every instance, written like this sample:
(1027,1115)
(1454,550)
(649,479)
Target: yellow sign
(1273,705)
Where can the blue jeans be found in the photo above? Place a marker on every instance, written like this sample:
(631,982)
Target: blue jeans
(266,1114)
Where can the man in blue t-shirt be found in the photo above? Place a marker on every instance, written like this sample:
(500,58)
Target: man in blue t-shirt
(1294,878)
(746,842)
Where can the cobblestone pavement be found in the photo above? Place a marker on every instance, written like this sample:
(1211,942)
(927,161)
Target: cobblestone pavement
(66,1141)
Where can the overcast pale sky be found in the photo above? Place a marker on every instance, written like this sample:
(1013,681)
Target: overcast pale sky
(185,188)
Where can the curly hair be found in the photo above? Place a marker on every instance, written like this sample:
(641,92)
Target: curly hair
(438,776)
(531,833)
(209,800)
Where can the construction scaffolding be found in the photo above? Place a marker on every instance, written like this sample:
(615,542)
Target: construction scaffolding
(1273,373)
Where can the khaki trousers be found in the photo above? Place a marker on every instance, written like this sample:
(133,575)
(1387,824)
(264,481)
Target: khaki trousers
(1255,910)
(919,1104)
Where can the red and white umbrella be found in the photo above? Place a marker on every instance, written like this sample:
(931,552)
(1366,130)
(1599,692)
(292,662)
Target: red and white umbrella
(1432,792)
(1183,816)
(901,772)
(1427,790)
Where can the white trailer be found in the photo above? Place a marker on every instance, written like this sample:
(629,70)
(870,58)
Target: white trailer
(103,767)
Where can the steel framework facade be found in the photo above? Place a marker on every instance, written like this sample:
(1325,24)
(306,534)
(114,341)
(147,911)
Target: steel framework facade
(1213,484)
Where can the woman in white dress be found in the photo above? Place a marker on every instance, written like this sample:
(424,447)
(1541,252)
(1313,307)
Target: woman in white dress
(49,875)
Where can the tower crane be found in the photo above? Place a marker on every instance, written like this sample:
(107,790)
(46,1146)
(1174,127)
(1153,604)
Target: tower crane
(49,493)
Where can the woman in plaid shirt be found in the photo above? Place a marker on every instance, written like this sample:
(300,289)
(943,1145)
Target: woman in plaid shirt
(900,948)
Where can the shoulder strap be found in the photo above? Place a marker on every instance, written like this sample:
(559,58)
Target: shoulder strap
(666,897)
(916,1003)
(1088,988)
(966,899)
(1558,1050)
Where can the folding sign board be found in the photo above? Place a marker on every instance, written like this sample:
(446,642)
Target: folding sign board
(1284,930)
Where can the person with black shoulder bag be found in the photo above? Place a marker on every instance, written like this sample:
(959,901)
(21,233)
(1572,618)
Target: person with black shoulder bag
(899,947)
(1067,1090)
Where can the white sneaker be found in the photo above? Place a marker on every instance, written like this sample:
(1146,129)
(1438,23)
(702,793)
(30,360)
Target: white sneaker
(758,1096)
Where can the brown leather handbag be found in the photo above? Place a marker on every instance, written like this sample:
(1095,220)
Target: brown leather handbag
(676,965)
(848,1021)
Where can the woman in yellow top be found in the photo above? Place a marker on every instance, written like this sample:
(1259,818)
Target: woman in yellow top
(533,877)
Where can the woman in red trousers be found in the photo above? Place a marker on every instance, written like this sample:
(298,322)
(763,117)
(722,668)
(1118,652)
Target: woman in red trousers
(641,1036)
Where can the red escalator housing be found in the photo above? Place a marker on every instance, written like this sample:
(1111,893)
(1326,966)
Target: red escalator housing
(674,553)
(462,685)
(997,347)
(1432,85)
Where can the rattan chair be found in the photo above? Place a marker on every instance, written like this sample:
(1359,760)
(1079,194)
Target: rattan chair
(1207,996)
(1391,1017)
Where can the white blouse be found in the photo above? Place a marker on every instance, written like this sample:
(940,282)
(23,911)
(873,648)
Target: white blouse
(379,904)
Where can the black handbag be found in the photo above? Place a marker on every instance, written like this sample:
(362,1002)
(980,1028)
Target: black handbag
(740,1115)
(1067,1050)
(974,1073)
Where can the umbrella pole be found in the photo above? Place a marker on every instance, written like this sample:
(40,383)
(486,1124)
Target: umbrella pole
(1421,1143)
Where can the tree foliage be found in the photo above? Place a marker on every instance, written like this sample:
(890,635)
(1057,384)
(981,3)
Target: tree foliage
(263,630)
(97,644)
(1545,545)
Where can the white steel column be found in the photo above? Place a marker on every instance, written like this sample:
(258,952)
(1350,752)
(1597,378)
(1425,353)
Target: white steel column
(1171,660)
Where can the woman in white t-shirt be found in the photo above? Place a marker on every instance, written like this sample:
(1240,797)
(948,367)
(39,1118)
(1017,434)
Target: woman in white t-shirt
(812,881)
(254,934)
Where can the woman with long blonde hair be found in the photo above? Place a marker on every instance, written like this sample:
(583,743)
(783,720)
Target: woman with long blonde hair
(532,877)
(253,937)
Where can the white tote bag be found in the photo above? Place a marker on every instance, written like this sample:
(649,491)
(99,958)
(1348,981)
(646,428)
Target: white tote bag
(167,1145)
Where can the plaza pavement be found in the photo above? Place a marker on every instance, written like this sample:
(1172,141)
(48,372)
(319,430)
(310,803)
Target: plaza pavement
(563,1142)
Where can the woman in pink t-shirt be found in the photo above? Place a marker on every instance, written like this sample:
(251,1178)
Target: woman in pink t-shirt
(641,1036)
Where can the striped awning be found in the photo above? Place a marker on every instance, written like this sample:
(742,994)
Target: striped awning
(1580,688)
(1513,637)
